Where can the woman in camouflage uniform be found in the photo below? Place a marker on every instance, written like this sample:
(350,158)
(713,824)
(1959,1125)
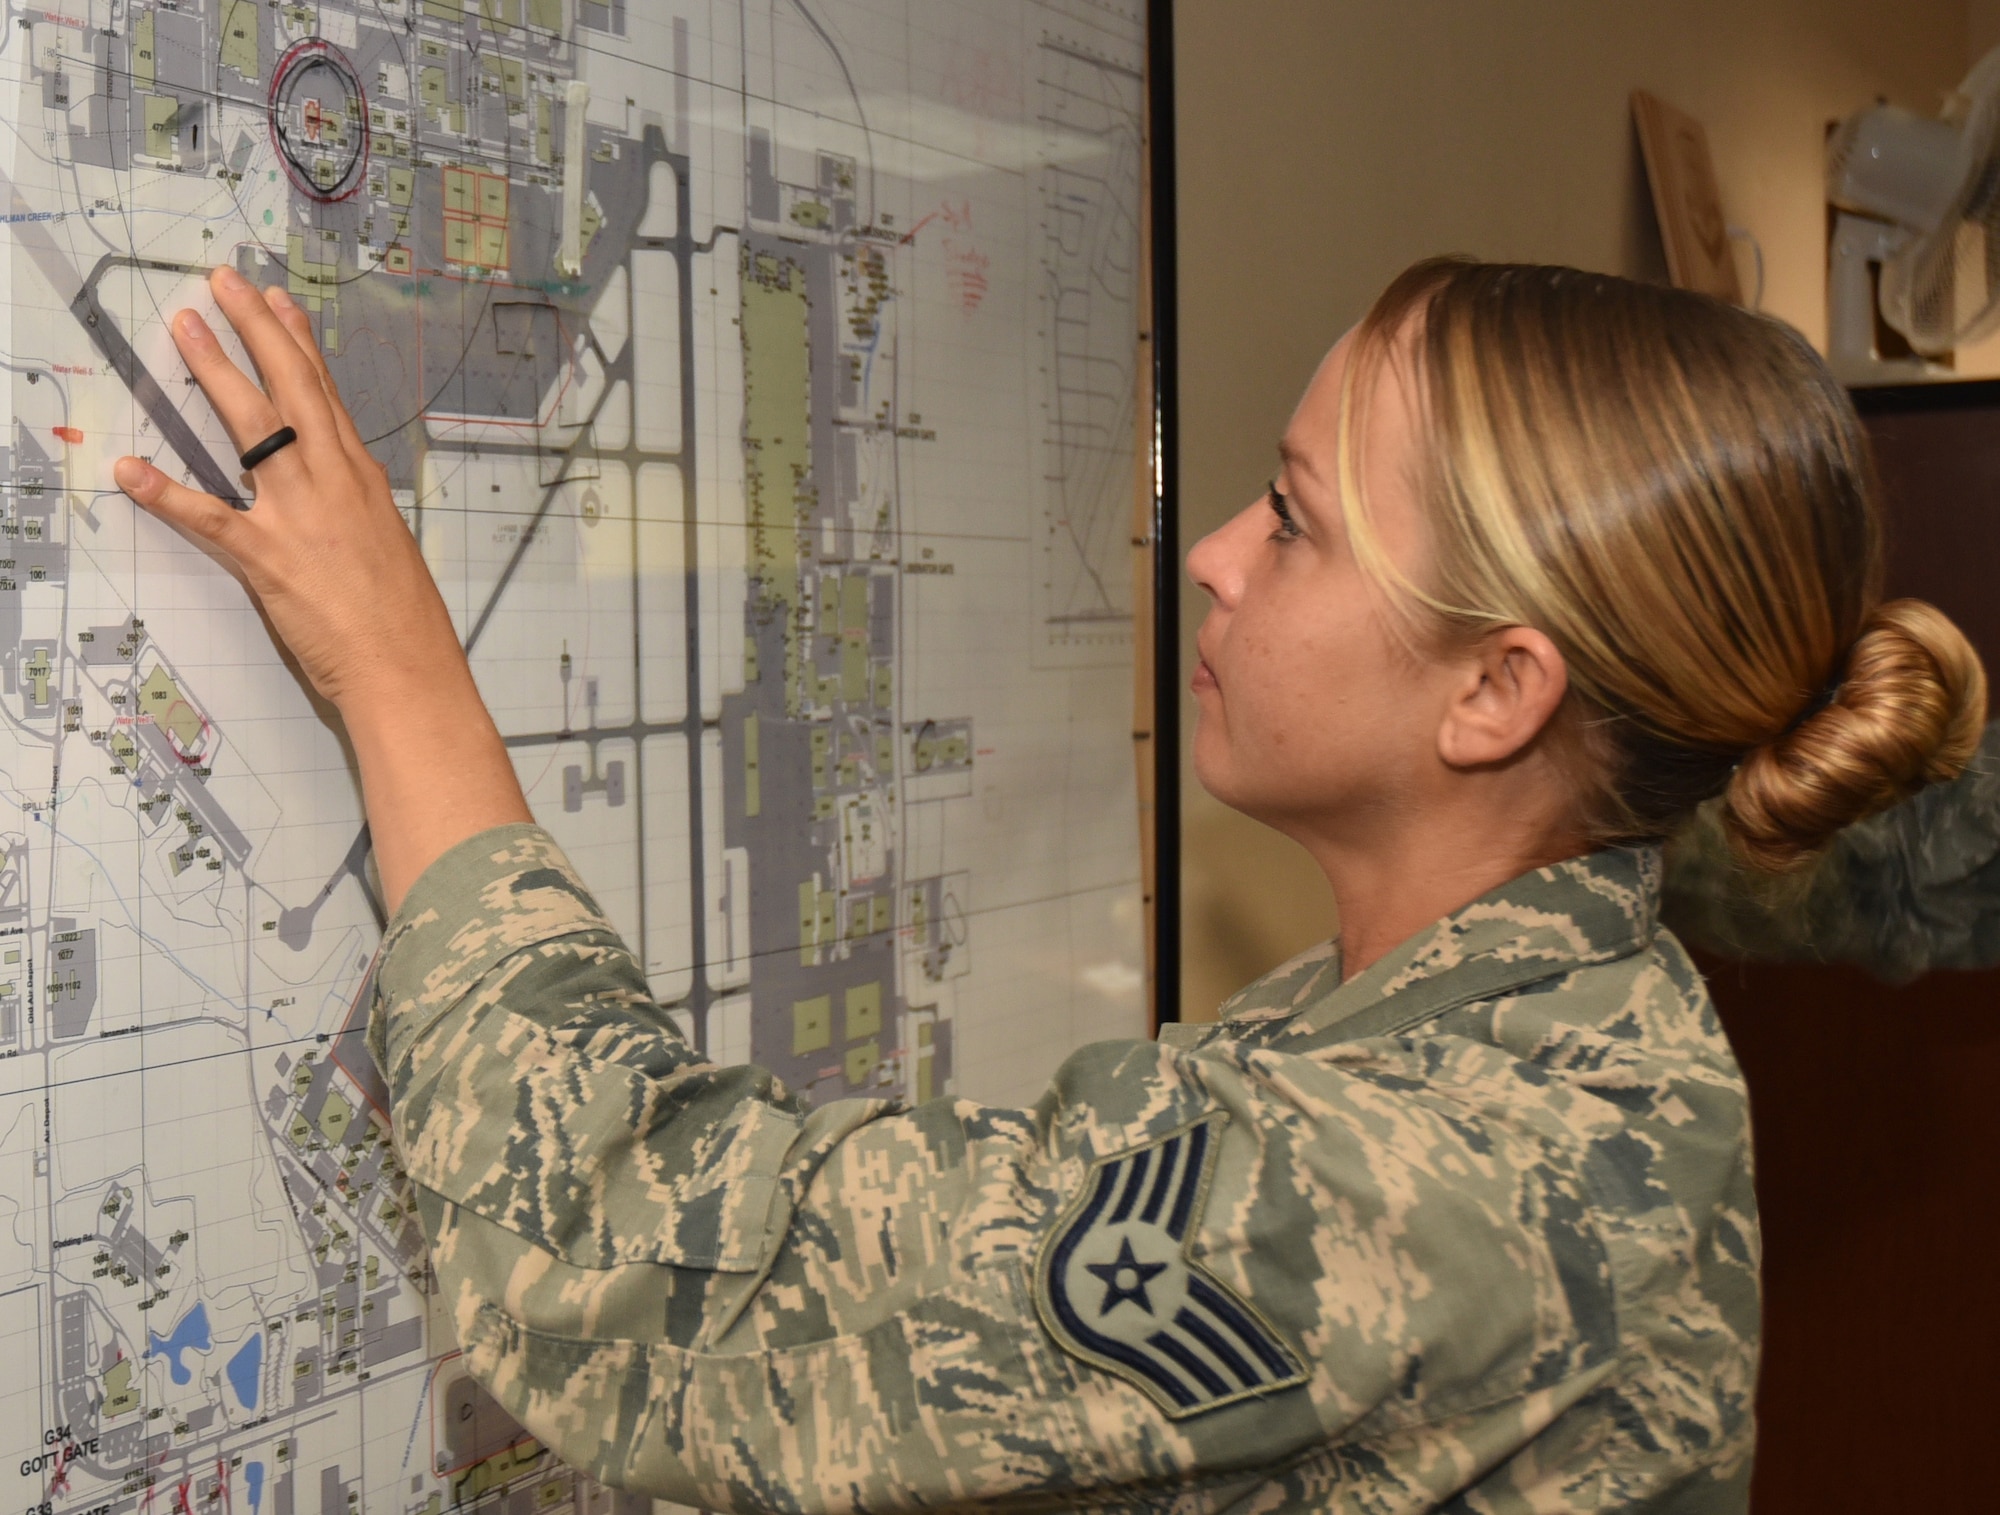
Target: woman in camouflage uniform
(1454,1212)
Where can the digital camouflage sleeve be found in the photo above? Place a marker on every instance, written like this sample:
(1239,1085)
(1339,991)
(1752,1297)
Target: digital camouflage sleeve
(1471,1231)
(1914,888)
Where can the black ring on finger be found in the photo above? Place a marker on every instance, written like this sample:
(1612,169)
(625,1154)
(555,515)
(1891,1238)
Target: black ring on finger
(272,445)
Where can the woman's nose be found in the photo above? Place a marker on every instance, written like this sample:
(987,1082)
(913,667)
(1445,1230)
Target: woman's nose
(1202,562)
(1214,564)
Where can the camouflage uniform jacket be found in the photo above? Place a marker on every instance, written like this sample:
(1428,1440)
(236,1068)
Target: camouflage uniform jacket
(1472,1231)
(1913,889)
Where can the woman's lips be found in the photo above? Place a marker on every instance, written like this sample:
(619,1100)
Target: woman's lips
(1203,677)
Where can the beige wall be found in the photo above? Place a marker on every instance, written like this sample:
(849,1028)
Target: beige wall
(1324,146)
(1982,27)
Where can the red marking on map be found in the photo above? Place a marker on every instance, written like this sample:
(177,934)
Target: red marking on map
(70,434)
(965,273)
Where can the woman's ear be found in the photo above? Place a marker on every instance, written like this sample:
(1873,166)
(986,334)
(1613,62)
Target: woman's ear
(1514,682)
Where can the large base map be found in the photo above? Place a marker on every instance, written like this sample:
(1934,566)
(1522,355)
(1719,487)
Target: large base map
(758,379)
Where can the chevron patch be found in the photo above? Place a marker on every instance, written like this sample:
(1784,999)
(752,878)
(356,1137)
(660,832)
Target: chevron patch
(1116,1288)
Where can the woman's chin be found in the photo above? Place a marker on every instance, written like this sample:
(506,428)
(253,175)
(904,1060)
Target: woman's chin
(1213,769)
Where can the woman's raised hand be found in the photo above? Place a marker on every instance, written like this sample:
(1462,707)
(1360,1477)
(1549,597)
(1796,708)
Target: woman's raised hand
(324,548)
(328,555)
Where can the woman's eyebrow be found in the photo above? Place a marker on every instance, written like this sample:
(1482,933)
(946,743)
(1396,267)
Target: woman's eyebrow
(1295,458)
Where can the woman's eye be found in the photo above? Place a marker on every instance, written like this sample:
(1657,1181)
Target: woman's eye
(1286,528)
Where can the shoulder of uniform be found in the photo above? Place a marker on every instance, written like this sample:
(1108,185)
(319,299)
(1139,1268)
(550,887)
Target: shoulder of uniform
(1646,1016)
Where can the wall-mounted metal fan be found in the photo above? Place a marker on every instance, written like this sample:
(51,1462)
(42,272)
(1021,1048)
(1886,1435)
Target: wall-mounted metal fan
(1916,233)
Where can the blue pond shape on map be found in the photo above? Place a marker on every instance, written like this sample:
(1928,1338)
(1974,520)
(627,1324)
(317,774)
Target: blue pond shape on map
(191,1335)
(245,1369)
(253,1475)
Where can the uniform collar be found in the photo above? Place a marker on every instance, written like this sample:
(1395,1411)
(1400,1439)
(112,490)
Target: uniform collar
(1586,910)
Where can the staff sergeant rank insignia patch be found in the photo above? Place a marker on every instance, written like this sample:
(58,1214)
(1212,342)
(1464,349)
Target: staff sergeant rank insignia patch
(1116,1287)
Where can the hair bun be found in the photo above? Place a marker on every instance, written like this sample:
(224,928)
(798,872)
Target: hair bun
(1907,712)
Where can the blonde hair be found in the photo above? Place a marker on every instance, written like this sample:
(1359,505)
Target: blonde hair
(1679,495)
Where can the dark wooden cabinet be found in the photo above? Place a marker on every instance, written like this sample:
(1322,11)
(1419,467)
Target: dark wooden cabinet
(1877,1110)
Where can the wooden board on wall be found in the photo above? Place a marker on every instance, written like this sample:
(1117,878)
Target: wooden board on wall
(1686,198)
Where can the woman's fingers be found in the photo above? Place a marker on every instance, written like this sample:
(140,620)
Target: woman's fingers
(245,409)
(294,382)
(198,514)
(299,324)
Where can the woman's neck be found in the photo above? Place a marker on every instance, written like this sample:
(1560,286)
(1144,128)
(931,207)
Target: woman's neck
(1390,887)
